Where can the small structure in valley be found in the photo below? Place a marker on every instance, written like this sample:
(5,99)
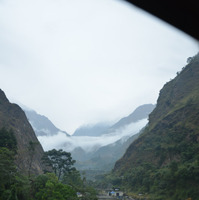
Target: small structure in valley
(79,194)
(115,192)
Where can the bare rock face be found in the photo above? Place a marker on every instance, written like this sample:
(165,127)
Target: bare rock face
(30,151)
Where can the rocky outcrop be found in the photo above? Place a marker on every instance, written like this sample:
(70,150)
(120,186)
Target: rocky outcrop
(30,151)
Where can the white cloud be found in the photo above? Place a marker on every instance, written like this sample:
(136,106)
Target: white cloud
(89,143)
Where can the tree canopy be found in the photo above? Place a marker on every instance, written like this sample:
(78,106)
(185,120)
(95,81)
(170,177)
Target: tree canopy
(8,139)
(60,161)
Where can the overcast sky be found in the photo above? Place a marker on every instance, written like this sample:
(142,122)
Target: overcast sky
(86,61)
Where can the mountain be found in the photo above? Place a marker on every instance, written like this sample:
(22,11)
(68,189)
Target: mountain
(126,130)
(91,130)
(139,113)
(164,162)
(12,117)
(41,124)
(104,158)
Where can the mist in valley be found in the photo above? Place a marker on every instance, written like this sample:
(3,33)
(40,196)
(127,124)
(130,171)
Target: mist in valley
(90,143)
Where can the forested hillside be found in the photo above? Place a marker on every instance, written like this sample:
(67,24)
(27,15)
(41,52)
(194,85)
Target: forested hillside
(163,163)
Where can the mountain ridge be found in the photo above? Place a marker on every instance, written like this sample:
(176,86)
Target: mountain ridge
(91,130)
(139,113)
(163,161)
(41,124)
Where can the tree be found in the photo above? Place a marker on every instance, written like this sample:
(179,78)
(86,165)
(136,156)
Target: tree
(7,171)
(73,179)
(48,187)
(189,59)
(60,161)
(7,166)
(8,140)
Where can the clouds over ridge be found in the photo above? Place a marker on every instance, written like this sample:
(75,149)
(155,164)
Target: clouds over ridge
(88,143)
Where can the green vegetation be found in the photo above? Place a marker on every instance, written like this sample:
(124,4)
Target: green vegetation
(61,185)
(163,163)
(8,140)
(62,165)
(174,181)
(48,187)
(60,161)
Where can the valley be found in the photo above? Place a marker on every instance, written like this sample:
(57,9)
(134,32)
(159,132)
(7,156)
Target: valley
(166,147)
(95,148)
(150,154)
(99,100)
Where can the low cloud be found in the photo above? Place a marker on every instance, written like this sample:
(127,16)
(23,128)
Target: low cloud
(87,143)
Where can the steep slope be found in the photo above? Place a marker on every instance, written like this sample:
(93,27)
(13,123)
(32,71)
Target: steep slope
(164,160)
(13,117)
(41,124)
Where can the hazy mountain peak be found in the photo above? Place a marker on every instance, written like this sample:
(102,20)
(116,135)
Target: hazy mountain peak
(41,124)
(98,129)
(139,113)
(91,130)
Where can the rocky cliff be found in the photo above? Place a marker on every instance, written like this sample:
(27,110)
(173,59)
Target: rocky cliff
(30,151)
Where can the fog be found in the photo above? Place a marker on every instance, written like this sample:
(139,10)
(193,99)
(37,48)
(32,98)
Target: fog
(88,143)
